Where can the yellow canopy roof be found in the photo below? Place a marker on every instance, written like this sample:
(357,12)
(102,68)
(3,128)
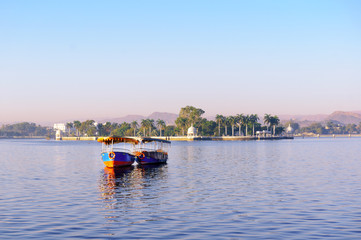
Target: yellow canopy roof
(110,140)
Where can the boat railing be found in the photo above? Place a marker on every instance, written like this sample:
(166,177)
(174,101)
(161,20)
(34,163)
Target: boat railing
(148,149)
(117,149)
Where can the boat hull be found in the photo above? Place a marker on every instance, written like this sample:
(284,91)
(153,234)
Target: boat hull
(152,158)
(121,159)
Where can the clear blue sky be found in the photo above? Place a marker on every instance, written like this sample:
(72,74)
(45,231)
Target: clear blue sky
(90,59)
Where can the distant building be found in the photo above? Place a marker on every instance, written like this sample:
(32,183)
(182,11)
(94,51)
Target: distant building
(289,129)
(192,132)
(59,126)
(58,135)
(264,133)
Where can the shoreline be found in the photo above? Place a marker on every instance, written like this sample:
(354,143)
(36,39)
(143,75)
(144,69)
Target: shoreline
(202,138)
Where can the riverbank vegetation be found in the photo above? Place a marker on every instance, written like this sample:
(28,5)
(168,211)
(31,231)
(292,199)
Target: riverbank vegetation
(24,129)
(238,125)
(234,125)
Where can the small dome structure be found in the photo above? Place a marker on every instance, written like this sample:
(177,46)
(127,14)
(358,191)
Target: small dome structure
(289,129)
(58,134)
(192,132)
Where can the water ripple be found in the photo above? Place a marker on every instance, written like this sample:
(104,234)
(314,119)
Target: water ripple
(301,189)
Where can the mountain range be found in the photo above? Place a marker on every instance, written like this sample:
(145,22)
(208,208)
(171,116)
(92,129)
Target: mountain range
(340,117)
(304,120)
(168,118)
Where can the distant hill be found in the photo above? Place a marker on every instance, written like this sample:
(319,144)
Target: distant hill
(338,117)
(301,118)
(168,118)
(345,117)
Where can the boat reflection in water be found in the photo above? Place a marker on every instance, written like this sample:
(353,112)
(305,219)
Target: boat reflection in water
(129,189)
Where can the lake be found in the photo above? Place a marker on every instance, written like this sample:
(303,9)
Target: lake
(288,189)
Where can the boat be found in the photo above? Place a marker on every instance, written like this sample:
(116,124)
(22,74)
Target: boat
(151,151)
(118,151)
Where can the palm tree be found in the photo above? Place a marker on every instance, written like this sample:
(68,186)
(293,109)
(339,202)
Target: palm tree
(77,125)
(160,124)
(220,119)
(274,121)
(225,123)
(267,119)
(253,119)
(134,125)
(69,126)
(144,125)
(232,121)
(150,125)
(240,122)
(246,121)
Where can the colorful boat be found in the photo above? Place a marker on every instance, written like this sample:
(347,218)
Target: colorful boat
(152,151)
(118,151)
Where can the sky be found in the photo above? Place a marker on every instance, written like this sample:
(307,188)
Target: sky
(103,59)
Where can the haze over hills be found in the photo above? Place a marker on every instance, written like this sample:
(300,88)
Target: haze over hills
(341,117)
(345,117)
(304,120)
(168,118)
(337,116)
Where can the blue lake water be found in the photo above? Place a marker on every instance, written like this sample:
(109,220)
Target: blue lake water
(289,189)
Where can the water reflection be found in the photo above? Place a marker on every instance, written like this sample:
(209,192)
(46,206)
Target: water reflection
(125,189)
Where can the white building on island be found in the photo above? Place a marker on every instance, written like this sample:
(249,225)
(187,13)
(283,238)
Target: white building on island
(59,126)
(289,130)
(192,132)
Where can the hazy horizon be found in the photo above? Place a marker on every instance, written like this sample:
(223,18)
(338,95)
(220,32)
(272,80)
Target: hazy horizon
(83,59)
(102,119)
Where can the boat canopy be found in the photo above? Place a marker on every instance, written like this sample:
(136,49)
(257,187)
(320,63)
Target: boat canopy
(147,140)
(115,139)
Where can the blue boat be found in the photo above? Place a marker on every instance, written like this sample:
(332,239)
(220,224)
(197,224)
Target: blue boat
(152,151)
(118,151)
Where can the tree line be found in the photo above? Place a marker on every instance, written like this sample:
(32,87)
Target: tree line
(332,128)
(23,129)
(147,127)
(234,125)
(240,125)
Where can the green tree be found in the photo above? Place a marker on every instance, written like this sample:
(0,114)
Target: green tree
(77,125)
(87,127)
(107,128)
(279,130)
(207,128)
(150,126)
(100,129)
(220,120)
(351,128)
(134,125)
(122,130)
(253,119)
(232,121)
(246,121)
(169,131)
(69,126)
(316,128)
(225,124)
(240,122)
(181,123)
(191,114)
(274,122)
(144,125)
(267,120)
(160,124)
